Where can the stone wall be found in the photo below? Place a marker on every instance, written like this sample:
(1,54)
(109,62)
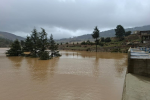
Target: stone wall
(139,67)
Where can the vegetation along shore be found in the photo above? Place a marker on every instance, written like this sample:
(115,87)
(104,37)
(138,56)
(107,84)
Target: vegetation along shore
(120,43)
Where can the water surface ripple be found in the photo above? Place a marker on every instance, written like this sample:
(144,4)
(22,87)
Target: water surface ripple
(76,75)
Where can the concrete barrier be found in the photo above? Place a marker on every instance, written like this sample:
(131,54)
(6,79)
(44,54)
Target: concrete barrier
(138,62)
(139,67)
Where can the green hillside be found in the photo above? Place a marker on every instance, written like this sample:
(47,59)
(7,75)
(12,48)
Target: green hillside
(108,33)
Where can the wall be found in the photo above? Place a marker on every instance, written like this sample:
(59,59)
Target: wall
(139,67)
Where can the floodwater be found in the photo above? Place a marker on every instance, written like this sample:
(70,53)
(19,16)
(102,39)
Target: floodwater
(75,75)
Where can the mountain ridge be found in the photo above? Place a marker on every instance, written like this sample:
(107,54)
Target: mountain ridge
(10,36)
(85,37)
(107,33)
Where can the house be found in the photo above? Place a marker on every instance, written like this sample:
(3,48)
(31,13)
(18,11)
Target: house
(145,36)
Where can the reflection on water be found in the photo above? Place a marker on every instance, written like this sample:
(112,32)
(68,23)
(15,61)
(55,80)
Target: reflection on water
(16,61)
(75,75)
(40,68)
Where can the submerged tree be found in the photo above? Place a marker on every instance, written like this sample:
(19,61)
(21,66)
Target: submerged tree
(15,49)
(52,44)
(35,42)
(43,41)
(22,43)
(95,35)
(28,45)
(43,45)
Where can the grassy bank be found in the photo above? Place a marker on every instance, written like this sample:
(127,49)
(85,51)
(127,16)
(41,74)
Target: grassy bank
(115,45)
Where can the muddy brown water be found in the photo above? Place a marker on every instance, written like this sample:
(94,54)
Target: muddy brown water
(75,75)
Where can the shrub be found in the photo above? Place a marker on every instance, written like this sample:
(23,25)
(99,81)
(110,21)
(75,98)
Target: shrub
(108,39)
(44,55)
(101,44)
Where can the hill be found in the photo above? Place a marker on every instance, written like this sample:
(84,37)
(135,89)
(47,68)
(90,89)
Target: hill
(10,36)
(108,33)
(5,42)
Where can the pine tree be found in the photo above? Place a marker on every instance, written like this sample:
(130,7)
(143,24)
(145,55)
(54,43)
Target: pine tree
(120,32)
(28,45)
(43,45)
(43,41)
(35,40)
(95,35)
(15,49)
(52,45)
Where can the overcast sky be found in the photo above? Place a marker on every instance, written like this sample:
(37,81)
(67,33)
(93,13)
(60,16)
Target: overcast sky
(68,18)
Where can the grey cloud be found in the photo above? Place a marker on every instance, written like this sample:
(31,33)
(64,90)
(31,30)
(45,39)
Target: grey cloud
(72,17)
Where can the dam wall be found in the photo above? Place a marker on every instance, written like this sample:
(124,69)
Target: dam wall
(138,62)
(137,78)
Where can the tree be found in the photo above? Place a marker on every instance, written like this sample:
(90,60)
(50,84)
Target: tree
(35,40)
(15,49)
(37,44)
(120,32)
(28,45)
(88,42)
(43,41)
(127,33)
(22,43)
(95,35)
(83,43)
(52,45)
(45,56)
(43,45)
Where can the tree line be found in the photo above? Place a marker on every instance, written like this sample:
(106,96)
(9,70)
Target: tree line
(37,44)
(120,33)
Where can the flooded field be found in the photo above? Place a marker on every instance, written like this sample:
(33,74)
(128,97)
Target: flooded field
(75,75)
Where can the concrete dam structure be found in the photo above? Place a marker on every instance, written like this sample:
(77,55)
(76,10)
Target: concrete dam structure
(137,81)
(139,61)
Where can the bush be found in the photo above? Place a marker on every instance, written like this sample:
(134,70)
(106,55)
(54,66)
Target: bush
(45,56)
(34,55)
(121,39)
(116,50)
(102,39)
(83,43)
(88,49)
(101,44)
(108,39)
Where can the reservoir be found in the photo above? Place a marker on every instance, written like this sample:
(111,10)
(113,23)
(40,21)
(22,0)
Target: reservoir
(76,75)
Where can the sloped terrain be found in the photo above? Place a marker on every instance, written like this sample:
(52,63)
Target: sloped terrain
(10,36)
